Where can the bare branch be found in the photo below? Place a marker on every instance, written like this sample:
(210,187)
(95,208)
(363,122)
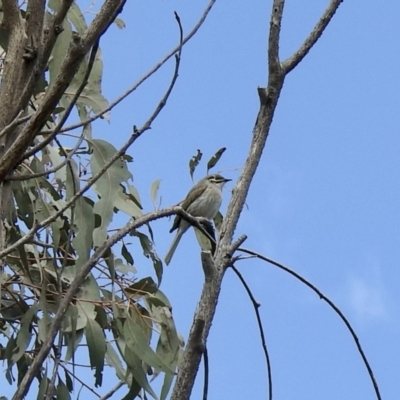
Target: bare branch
(331,304)
(256,306)
(209,297)
(208,265)
(292,62)
(11,14)
(274,34)
(13,124)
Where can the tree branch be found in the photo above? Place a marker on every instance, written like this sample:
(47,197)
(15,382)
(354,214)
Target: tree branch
(71,105)
(292,62)
(136,134)
(256,306)
(144,77)
(209,297)
(331,304)
(274,34)
(76,53)
(74,288)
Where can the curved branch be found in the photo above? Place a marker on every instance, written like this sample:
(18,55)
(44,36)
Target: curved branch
(292,62)
(331,304)
(256,306)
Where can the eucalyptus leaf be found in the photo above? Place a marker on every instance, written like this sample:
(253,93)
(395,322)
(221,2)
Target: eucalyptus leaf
(215,158)
(97,348)
(137,341)
(136,369)
(113,359)
(108,186)
(155,186)
(194,162)
(83,218)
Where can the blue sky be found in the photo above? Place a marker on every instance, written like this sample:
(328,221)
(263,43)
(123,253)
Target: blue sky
(325,199)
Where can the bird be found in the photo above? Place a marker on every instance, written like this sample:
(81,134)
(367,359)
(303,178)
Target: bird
(203,200)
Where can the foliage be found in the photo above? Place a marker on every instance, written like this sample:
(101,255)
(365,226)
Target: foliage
(114,315)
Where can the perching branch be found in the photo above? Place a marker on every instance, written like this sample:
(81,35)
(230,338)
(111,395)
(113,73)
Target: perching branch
(74,288)
(331,304)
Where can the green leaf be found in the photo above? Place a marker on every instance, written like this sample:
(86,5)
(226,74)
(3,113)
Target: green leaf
(76,17)
(24,334)
(215,158)
(136,369)
(83,218)
(108,186)
(43,385)
(133,391)
(134,194)
(113,359)
(149,252)
(138,342)
(97,349)
(120,23)
(125,253)
(62,391)
(141,288)
(126,204)
(124,268)
(194,162)
(72,342)
(62,44)
(155,186)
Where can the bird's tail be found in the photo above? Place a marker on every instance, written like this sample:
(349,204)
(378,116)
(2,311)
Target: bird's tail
(173,247)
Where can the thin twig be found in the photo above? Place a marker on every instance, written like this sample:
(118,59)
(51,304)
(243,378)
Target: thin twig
(14,123)
(206,373)
(292,62)
(112,391)
(144,77)
(256,306)
(331,304)
(16,177)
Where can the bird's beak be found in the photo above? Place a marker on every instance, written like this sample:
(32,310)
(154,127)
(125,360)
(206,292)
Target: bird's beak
(227,180)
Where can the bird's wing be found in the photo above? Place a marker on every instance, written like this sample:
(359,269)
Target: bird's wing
(196,192)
